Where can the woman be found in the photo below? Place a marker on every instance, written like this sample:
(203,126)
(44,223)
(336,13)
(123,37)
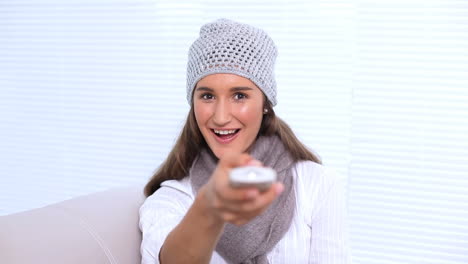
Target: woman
(193,215)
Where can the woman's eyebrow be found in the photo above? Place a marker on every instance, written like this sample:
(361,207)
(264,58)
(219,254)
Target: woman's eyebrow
(206,89)
(233,89)
(241,88)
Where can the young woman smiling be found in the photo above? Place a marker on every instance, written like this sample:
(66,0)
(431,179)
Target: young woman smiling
(193,215)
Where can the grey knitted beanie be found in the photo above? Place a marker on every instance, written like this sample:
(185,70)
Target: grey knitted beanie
(226,46)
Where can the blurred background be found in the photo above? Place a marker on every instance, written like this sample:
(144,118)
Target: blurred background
(92,96)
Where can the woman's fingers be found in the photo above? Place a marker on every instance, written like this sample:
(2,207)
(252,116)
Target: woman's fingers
(221,177)
(258,203)
(238,205)
(230,194)
(265,199)
(233,160)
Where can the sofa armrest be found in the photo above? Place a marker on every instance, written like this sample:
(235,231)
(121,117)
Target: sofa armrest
(97,228)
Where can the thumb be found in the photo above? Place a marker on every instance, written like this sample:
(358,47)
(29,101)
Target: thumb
(233,160)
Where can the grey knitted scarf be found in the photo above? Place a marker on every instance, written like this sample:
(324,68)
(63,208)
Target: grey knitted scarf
(251,242)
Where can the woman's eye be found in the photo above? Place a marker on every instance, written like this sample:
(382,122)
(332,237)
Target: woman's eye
(240,96)
(206,96)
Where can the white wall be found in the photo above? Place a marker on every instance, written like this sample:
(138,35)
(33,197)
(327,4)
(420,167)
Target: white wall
(92,96)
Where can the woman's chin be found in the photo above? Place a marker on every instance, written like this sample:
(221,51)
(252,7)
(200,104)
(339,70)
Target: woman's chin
(220,152)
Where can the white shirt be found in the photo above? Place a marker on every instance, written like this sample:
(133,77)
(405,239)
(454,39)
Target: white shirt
(317,234)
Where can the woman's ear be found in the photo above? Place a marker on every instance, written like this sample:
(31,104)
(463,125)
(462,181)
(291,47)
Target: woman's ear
(267,108)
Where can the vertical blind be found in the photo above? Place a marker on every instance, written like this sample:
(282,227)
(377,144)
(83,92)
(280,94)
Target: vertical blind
(92,96)
(408,185)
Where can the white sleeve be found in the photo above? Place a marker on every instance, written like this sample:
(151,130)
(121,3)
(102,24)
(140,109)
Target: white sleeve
(159,215)
(329,240)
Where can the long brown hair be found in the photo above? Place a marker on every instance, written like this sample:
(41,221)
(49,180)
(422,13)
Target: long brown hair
(180,159)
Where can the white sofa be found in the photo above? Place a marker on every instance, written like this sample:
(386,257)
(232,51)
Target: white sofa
(95,229)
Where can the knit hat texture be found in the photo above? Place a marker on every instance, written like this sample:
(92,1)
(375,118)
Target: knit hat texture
(226,46)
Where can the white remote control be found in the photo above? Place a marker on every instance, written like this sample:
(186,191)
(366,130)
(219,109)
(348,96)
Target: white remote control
(252,176)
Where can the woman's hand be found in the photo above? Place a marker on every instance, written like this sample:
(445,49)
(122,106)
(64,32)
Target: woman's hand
(236,205)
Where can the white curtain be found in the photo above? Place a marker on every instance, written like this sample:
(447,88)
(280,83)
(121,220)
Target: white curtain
(92,96)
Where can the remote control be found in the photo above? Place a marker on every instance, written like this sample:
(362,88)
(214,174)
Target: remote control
(252,176)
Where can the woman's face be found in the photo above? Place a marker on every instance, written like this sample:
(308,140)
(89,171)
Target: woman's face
(229,112)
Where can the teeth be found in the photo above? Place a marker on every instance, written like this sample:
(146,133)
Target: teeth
(224,132)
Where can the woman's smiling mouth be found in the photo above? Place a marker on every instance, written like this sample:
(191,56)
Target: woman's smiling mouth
(225,136)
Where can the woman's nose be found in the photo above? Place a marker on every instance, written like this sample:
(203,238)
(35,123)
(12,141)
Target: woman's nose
(222,114)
